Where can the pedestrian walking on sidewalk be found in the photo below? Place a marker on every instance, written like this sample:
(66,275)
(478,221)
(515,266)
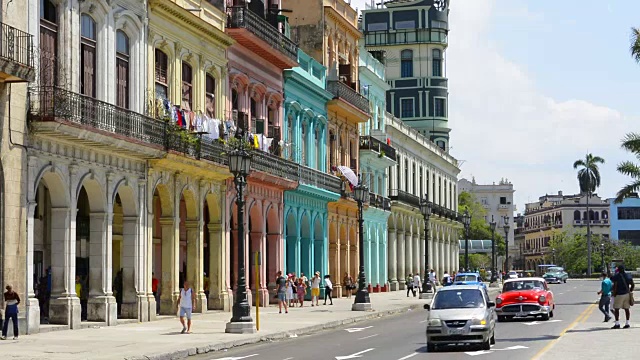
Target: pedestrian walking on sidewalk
(605,296)
(416,284)
(281,289)
(11,301)
(433,279)
(623,298)
(348,285)
(315,288)
(328,289)
(409,283)
(289,289)
(301,289)
(186,302)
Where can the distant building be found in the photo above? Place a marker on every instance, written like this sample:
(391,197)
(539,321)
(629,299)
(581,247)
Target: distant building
(560,212)
(625,220)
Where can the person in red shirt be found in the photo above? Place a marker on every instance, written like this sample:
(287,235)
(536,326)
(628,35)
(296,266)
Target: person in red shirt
(154,288)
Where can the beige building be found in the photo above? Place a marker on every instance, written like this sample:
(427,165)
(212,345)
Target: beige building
(16,69)
(559,212)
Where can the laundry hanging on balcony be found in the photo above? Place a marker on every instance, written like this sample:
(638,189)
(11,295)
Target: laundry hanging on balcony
(349,175)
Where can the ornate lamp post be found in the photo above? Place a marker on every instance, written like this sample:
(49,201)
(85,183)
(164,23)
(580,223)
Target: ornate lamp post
(425,209)
(362,302)
(602,258)
(241,321)
(466,220)
(506,244)
(494,266)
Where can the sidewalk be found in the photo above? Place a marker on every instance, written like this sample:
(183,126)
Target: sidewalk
(161,339)
(590,338)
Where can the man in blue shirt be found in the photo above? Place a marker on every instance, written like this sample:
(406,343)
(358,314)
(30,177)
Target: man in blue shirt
(622,287)
(605,296)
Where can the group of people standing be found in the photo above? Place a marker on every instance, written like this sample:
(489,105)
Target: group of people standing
(291,290)
(414,282)
(618,286)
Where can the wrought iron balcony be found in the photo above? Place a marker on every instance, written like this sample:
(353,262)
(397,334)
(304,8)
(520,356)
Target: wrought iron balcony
(445,213)
(404,197)
(380,202)
(241,18)
(370,143)
(345,92)
(16,55)
(275,166)
(320,179)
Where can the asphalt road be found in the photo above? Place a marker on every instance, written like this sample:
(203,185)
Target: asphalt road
(402,337)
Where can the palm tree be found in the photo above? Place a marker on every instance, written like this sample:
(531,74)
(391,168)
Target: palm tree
(631,143)
(635,44)
(589,181)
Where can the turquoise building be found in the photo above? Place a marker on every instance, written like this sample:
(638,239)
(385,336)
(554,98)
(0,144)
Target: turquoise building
(305,142)
(376,155)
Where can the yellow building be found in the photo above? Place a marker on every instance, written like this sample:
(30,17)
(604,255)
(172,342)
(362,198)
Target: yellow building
(187,81)
(336,23)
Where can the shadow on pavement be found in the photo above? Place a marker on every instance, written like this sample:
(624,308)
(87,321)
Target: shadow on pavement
(578,303)
(591,330)
(450,348)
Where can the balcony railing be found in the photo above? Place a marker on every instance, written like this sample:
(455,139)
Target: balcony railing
(379,202)
(409,36)
(404,197)
(320,180)
(345,92)
(370,143)
(16,48)
(242,17)
(274,165)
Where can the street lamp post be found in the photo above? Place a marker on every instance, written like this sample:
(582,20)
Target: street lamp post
(602,258)
(506,244)
(466,220)
(492,225)
(241,321)
(425,208)
(362,302)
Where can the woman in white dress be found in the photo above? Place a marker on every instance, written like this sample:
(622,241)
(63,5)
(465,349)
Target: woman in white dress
(289,287)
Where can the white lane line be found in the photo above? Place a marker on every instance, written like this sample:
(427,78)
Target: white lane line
(238,358)
(408,356)
(353,356)
(367,337)
(352,330)
(288,358)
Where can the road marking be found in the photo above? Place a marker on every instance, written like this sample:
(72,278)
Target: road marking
(288,358)
(476,353)
(352,330)
(408,356)
(485,352)
(353,356)
(589,310)
(541,322)
(367,337)
(239,357)
(517,347)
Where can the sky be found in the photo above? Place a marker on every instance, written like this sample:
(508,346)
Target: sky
(536,85)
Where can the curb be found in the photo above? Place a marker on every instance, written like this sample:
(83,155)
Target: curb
(184,353)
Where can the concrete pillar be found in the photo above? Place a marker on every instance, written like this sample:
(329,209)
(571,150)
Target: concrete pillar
(392,260)
(32,304)
(416,253)
(195,262)
(218,293)
(440,269)
(129,309)
(435,254)
(170,267)
(101,303)
(423,266)
(408,254)
(64,307)
(402,275)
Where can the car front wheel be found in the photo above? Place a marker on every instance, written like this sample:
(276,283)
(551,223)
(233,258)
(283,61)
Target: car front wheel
(545,317)
(431,347)
(486,345)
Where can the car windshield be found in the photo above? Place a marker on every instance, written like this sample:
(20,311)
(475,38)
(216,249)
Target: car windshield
(466,278)
(555,269)
(458,299)
(512,273)
(523,285)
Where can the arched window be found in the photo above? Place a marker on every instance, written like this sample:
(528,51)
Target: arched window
(437,62)
(122,69)
(605,215)
(596,215)
(210,94)
(290,135)
(406,175)
(303,143)
(406,63)
(234,99)
(332,148)
(162,74)
(187,86)
(48,43)
(318,149)
(413,177)
(576,215)
(87,56)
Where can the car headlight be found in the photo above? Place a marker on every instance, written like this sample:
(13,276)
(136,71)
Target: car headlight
(435,322)
(542,299)
(498,301)
(479,321)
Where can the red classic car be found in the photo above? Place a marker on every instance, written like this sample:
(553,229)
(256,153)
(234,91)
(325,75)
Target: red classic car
(525,297)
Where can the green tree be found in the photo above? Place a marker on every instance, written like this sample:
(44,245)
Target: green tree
(635,44)
(589,181)
(631,143)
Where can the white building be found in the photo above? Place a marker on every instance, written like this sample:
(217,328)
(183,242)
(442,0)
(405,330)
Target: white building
(422,168)
(497,199)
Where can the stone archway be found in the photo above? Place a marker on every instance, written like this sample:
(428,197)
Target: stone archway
(274,250)
(124,245)
(306,245)
(255,234)
(291,242)
(215,254)
(334,250)
(165,249)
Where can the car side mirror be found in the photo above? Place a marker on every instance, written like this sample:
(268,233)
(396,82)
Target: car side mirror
(427,307)
(491,304)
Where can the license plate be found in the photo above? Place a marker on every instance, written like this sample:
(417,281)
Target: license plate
(521,314)
(456,331)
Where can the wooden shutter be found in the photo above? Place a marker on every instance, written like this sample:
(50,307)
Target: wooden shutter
(122,82)
(88,83)
(210,102)
(48,53)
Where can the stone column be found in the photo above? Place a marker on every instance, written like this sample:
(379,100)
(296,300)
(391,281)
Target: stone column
(64,307)
(149,306)
(129,309)
(402,276)
(170,267)
(423,266)
(440,269)
(392,260)
(195,262)
(435,254)
(32,304)
(101,303)
(416,254)
(408,253)
(218,294)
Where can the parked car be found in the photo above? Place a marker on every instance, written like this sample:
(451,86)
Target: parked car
(468,279)
(525,297)
(555,274)
(461,314)
(512,275)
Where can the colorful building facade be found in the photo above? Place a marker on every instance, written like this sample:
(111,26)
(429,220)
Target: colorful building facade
(305,138)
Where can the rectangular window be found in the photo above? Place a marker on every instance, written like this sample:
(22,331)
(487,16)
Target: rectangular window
(439,107)
(187,87)
(88,56)
(407,24)
(406,108)
(406,68)
(48,50)
(633,236)
(377,27)
(438,24)
(161,74)
(503,200)
(210,94)
(628,213)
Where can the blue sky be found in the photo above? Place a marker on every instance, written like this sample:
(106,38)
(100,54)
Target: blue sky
(534,85)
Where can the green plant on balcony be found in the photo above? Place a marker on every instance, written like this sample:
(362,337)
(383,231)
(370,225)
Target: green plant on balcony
(234,143)
(381,154)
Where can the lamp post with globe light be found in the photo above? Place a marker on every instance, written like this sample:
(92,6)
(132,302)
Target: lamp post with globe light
(466,221)
(362,301)
(425,208)
(492,226)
